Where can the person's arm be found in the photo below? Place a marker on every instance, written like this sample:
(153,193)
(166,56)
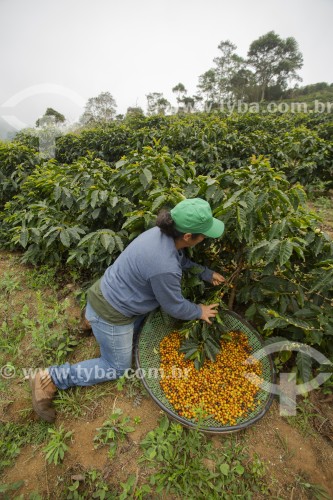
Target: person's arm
(167,291)
(206,274)
(186,263)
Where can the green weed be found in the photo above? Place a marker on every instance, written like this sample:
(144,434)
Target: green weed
(327,387)
(179,457)
(113,430)
(40,277)
(7,489)
(287,453)
(324,206)
(302,421)
(87,485)
(323,203)
(79,401)
(13,436)
(51,340)
(312,490)
(131,489)
(133,389)
(56,447)
(9,283)
(13,330)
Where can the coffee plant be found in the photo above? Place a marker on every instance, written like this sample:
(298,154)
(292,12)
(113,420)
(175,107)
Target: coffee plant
(107,184)
(16,162)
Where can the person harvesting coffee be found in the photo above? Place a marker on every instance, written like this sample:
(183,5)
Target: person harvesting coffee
(146,275)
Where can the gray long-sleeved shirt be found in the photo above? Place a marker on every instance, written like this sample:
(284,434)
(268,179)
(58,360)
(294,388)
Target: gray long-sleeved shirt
(147,274)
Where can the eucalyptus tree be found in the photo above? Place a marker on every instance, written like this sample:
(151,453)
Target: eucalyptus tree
(53,114)
(228,64)
(208,89)
(157,104)
(180,92)
(99,109)
(218,83)
(274,60)
(243,85)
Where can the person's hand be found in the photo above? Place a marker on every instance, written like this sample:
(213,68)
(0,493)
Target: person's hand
(208,312)
(217,279)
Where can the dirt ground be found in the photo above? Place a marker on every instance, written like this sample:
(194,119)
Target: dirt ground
(286,453)
(294,451)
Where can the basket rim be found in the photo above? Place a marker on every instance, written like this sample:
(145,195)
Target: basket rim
(187,423)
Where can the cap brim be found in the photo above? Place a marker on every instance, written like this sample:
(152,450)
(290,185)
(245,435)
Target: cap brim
(216,230)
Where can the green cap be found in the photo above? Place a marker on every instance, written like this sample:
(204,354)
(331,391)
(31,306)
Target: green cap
(195,216)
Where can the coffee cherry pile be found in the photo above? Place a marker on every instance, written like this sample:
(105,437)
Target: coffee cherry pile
(219,388)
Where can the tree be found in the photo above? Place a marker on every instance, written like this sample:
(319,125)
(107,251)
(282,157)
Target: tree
(180,92)
(275,60)
(189,103)
(50,112)
(134,111)
(218,83)
(208,88)
(228,63)
(99,109)
(157,104)
(241,84)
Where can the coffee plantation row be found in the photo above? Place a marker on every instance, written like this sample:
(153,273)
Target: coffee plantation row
(298,143)
(107,184)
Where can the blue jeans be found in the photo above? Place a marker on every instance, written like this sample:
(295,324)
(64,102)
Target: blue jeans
(115,342)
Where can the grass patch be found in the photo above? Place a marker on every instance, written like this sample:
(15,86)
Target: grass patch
(41,277)
(302,421)
(14,436)
(311,490)
(80,401)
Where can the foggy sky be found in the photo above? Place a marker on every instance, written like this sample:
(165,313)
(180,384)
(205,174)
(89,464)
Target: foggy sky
(58,53)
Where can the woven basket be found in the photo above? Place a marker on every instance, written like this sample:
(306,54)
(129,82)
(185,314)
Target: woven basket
(157,325)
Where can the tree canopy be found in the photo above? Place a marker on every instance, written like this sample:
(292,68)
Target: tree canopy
(274,60)
(51,113)
(271,63)
(157,104)
(99,109)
